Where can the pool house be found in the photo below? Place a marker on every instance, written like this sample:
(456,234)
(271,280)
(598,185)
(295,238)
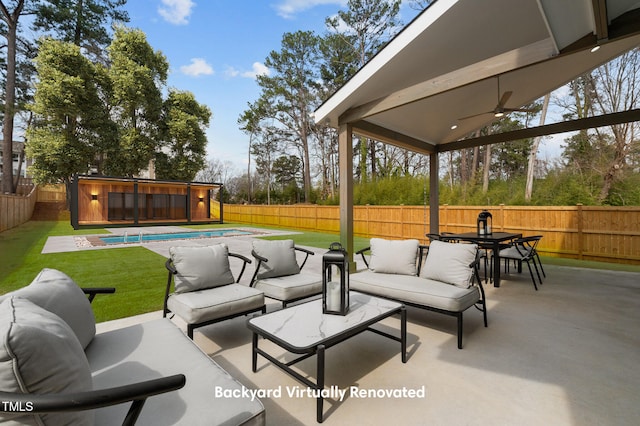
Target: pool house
(110,201)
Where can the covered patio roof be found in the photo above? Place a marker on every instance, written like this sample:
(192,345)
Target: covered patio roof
(460,61)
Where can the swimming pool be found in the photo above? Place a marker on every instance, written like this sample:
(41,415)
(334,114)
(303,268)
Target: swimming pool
(142,237)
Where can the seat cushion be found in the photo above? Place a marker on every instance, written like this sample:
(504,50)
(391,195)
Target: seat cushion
(449,263)
(56,292)
(394,256)
(515,253)
(416,290)
(158,348)
(280,255)
(290,287)
(201,267)
(40,354)
(205,305)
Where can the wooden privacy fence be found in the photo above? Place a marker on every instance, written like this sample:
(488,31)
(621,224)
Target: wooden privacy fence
(16,209)
(52,193)
(609,234)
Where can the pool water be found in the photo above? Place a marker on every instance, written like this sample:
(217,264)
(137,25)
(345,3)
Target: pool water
(135,238)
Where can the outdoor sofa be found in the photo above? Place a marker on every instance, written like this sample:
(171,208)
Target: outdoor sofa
(448,283)
(55,369)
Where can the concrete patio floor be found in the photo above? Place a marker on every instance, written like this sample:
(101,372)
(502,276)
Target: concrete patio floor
(567,354)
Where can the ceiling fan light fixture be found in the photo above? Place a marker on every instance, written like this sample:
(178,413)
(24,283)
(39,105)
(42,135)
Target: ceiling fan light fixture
(454,126)
(595,48)
(498,114)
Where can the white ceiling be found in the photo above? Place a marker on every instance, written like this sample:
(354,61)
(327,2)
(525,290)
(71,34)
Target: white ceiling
(447,63)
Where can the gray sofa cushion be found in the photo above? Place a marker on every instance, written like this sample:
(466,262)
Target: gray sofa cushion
(201,267)
(449,263)
(281,257)
(158,348)
(417,290)
(40,354)
(291,287)
(56,292)
(394,256)
(204,305)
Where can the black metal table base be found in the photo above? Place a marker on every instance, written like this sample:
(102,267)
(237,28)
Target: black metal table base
(319,351)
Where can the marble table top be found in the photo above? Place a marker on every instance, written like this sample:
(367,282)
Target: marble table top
(305,326)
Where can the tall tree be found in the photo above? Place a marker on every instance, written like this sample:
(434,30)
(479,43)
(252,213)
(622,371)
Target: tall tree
(292,92)
(11,12)
(264,150)
(365,27)
(534,151)
(250,122)
(138,74)
(72,124)
(85,23)
(183,127)
(618,89)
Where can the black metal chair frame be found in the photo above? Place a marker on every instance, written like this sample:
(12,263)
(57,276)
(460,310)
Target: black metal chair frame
(136,393)
(191,327)
(262,259)
(527,249)
(481,305)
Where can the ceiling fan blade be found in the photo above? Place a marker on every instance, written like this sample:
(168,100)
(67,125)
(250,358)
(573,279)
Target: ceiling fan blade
(504,99)
(475,115)
(520,110)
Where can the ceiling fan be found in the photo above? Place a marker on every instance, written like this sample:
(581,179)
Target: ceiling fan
(500,109)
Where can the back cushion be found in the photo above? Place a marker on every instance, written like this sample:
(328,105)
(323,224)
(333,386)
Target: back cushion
(40,354)
(281,257)
(449,263)
(201,267)
(58,293)
(394,257)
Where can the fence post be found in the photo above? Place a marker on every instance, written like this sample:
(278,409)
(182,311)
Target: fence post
(444,218)
(580,232)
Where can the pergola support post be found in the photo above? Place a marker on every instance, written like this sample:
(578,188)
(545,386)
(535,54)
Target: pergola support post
(345,160)
(434,193)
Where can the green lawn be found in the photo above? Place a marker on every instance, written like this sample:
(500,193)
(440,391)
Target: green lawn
(137,273)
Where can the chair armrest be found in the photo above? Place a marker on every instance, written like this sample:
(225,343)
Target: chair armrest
(260,258)
(307,253)
(169,265)
(422,252)
(361,252)
(245,261)
(92,292)
(137,393)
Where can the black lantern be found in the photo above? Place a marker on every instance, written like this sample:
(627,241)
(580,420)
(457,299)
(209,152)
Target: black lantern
(484,223)
(335,292)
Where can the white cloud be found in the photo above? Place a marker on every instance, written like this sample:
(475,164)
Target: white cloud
(288,8)
(256,70)
(197,67)
(176,11)
(231,72)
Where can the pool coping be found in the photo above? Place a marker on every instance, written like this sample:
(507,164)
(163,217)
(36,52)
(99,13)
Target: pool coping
(71,243)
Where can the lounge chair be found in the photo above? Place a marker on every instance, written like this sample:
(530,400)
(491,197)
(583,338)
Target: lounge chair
(278,273)
(205,291)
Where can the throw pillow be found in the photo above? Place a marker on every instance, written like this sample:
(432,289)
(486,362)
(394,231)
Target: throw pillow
(40,354)
(281,256)
(200,268)
(394,256)
(56,292)
(449,263)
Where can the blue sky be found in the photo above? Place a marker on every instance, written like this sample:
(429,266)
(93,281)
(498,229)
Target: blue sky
(216,47)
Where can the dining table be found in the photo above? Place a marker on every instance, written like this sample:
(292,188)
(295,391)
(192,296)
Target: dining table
(492,241)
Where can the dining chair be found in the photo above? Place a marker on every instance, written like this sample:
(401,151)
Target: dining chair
(524,250)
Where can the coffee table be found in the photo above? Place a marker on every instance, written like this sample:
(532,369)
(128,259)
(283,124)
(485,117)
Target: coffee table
(304,329)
